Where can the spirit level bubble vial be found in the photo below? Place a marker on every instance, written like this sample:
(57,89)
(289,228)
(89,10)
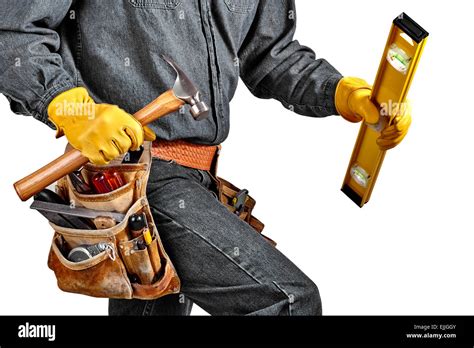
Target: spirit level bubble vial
(399,62)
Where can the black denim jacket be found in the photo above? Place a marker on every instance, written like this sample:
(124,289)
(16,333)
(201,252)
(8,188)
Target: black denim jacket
(113,48)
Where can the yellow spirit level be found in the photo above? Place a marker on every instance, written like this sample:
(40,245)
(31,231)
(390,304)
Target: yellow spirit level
(399,61)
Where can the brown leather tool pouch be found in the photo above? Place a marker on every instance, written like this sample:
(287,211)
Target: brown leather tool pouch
(240,203)
(121,270)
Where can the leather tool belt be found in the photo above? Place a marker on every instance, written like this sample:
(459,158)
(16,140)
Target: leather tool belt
(205,157)
(186,154)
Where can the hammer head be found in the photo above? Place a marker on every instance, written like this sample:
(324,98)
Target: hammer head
(185,90)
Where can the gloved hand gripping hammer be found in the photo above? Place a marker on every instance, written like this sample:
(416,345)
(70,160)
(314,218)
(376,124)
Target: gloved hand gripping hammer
(183,92)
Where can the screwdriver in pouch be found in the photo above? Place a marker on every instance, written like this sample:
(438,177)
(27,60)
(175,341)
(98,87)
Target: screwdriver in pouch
(79,183)
(107,181)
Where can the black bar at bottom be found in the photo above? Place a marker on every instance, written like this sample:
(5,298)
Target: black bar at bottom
(289,331)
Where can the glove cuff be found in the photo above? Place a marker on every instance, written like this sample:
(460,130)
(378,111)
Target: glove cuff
(344,90)
(67,104)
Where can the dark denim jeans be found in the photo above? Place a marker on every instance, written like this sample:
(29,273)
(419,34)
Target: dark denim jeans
(225,266)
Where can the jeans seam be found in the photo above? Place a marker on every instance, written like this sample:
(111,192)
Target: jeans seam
(148,308)
(211,244)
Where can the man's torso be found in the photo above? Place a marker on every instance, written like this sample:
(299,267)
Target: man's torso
(114,47)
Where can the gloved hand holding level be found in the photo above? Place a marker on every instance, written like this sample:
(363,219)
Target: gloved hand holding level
(353,102)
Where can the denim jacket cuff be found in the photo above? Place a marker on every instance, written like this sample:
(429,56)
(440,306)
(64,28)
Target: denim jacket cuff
(330,93)
(42,112)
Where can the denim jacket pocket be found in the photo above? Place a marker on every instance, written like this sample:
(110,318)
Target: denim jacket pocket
(240,6)
(156,4)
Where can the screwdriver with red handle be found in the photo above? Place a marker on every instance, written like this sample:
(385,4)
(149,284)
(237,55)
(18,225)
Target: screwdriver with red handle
(107,181)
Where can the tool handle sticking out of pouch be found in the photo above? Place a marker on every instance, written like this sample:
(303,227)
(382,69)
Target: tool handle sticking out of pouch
(239,201)
(138,226)
(132,157)
(79,182)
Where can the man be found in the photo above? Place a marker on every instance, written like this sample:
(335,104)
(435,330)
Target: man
(102,53)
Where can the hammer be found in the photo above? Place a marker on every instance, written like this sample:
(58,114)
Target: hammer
(183,92)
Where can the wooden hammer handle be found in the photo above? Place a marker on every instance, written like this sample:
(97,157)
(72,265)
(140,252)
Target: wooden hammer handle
(73,159)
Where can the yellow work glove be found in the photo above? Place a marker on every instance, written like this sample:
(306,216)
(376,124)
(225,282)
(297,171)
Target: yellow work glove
(394,134)
(353,104)
(353,101)
(101,132)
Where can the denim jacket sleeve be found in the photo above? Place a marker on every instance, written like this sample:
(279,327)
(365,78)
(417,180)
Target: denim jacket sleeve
(31,70)
(273,65)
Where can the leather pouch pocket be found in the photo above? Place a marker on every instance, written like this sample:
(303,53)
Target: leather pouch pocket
(102,275)
(138,261)
(120,268)
(120,200)
(240,203)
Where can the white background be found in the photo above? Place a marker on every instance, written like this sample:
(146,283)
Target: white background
(408,251)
